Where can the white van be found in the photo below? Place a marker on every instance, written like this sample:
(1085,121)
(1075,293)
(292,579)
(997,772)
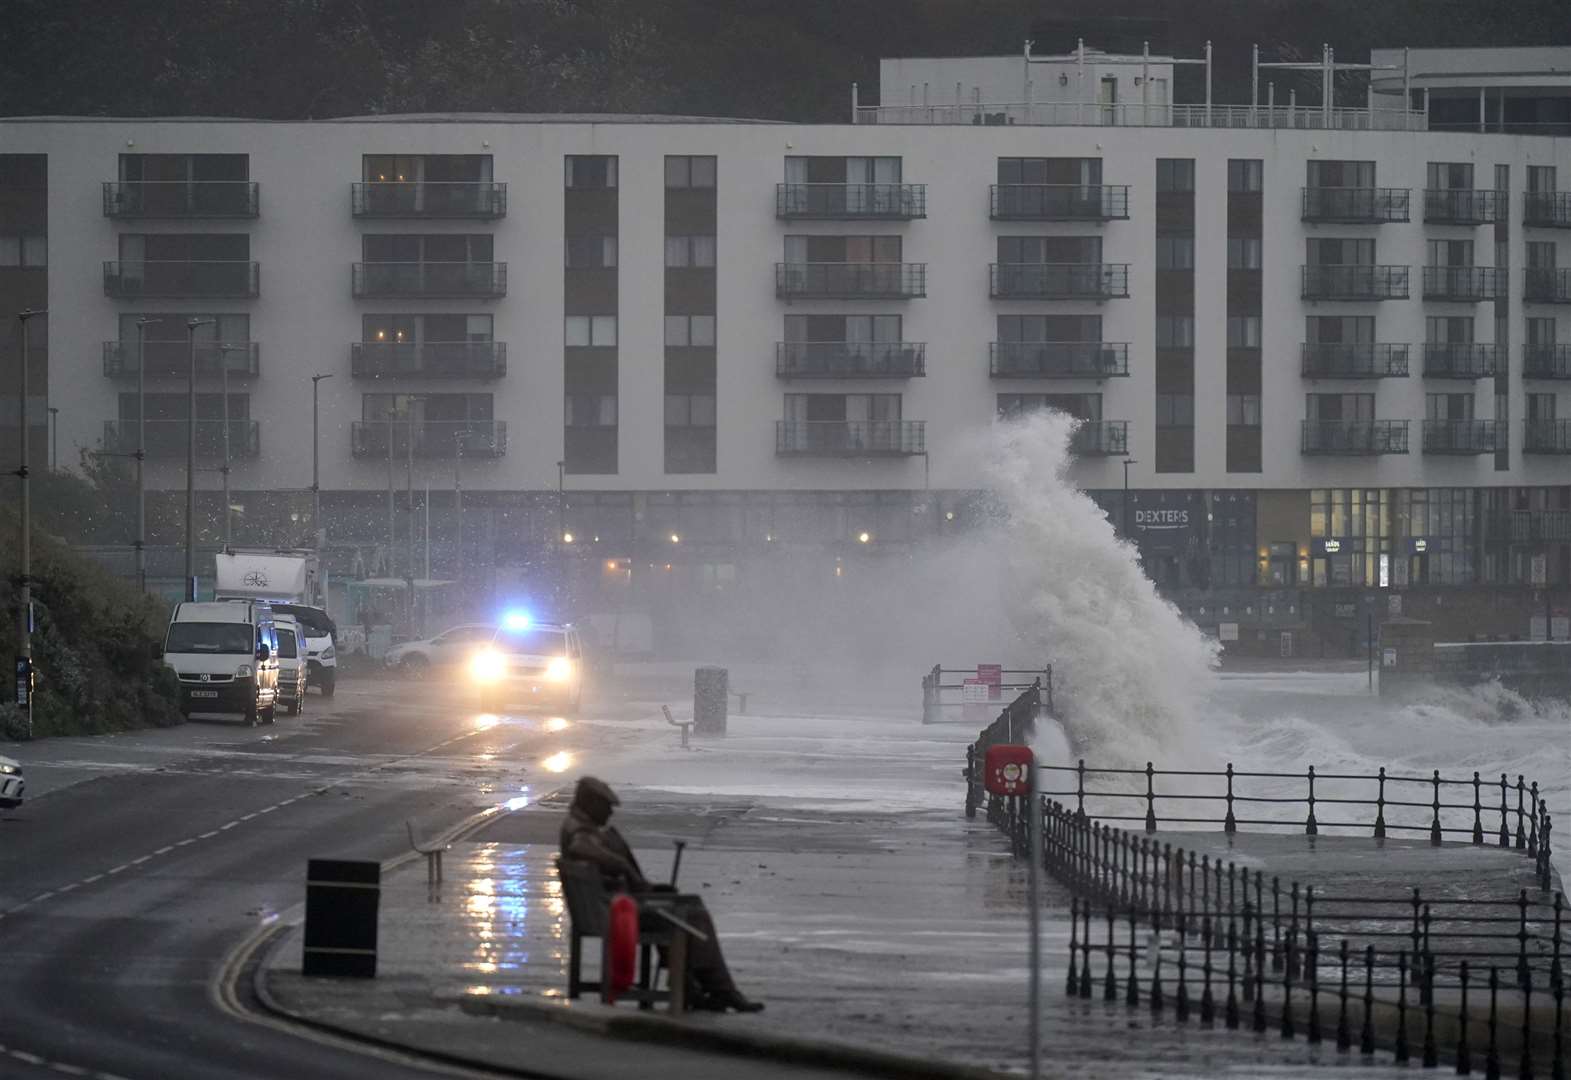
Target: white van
(226,657)
(291,662)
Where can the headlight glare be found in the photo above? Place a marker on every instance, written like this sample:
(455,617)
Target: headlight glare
(560,669)
(9,770)
(487,666)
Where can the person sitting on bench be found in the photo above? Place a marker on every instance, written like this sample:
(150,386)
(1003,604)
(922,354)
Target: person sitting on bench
(586,835)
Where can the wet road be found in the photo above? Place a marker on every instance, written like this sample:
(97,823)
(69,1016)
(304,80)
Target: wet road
(140,861)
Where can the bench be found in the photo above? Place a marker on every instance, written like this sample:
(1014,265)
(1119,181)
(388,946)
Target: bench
(588,909)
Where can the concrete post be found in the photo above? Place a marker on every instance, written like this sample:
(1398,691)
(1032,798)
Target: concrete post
(710,687)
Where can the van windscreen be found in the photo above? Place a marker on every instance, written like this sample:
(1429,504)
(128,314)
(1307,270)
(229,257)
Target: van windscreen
(286,644)
(532,642)
(203,637)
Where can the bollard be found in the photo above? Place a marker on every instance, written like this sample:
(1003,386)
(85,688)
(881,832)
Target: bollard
(1380,806)
(1478,812)
(341,899)
(1505,813)
(710,685)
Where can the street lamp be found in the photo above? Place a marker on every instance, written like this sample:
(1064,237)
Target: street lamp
(190,458)
(141,449)
(316,478)
(224,349)
(54,438)
(458,501)
(24,615)
(1125,514)
(561,472)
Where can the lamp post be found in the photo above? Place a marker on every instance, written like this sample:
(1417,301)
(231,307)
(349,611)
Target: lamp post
(223,368)
(141,449)
(54,438)
(190,458)
(24,615)
(561,523)
(1125,514)
(458,502)
(316,479)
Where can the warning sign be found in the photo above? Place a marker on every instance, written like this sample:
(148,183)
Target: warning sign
(993,676)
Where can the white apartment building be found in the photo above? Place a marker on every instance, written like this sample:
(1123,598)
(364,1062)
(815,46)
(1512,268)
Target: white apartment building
(1326,346)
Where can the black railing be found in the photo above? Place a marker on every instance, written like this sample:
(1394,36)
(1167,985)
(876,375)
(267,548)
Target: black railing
(172,359)
(831,202)
(1100,438)
(1460,436)
(1355,282)
(1058,359)
(1462,284)
(480,199)
(850,438)
(1532,526)
(1354,206)
(1546,361)
(1448,206)
(168,438)
(1547,286)
(1353,437)
(1460,360)
(429,359)
(1059,202)
(1353,360)
(178,279)
(850,281)
(1546,436)
(480,280)
(1547,209)
(1059,281)
(127,199)
(850,359)
(428,439)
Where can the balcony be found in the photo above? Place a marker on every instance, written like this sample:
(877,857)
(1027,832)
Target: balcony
(850,438)
(850,202)
(1530,526)
(1460,360)
(1059,281)
(1058,359)
(1100,438)
(1445,206)
(1546,436)
(1354,206)
(168,438)
(429,199)
(431,280)
(172,359)
(1059,202)
(1547,209)
(1353,360)
(1546,361)
(1350,282)
(1353,437)
(182,279)
(1547,286)
(850,359)
(1460,436)
(850,281)
(432,438)
(428,359)
(1461,284)
(130,200)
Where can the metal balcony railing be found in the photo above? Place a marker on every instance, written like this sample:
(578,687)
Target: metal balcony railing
(1546,436)
(850,438)
(1463,284)
(1527,526)
(1448,206)
(1353,360)
(850,281)
(1546,361)
(428,359)
(850,202)
(1460,360)
(1058,359)
(850,359)
(172,359)
(1059,281)
(1355,282)
(131,199)
(431,280)
(1460,436)
(1354,437)
(1138,114)
(1547,209)
(1354,206)
(475,199)
(1059,202)
(1547,286)
(168,438)
(1100,438)
(431,438)
(182,279)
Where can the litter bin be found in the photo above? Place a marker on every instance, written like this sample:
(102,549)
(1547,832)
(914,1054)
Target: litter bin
(341,900)
(710,686)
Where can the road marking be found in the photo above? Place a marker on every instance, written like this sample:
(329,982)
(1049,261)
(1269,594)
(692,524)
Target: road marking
(208,835)
(69,1070)
(68,888)
(31,1059)
(41,897)
(117,869)
(187,840)
(139,860)
(165,850)
(90,880)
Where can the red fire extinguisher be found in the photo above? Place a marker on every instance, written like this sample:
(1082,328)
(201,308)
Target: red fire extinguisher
(621,942)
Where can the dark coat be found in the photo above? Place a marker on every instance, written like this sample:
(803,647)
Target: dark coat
(602,845)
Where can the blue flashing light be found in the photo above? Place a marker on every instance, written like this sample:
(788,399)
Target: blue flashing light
(516,620)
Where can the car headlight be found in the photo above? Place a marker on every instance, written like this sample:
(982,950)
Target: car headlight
(10,770)
(560,669)
(243,671)
(327,653)
(487,666)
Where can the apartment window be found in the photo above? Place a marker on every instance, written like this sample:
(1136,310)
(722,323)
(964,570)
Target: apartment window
(27,252)
(1175,331)
(401,329)
(1049,328)
(427,408)
(1243,410)
(1243,331)
(1540,254)
(174,407)
(1084,171)
(1175,174)
(590,410)
(1038,250)
(1175,410)
(1448,328)
(1176,252)
(1449,252)
(1339,407)
(591,172)
(172,327)
(690,330)
(1245,174)
(1087,407)
(1243,252)
(431,247)
(1541,331)
(1339,329)
(1327,251)
(689,172)
(434,168)
(597,331)
(841,408)
(1450,175)
(690,410)
(1339,174)
(1540,406)
(1448,406)
(842,249)
(690,251)
(1540,178)
(590,252)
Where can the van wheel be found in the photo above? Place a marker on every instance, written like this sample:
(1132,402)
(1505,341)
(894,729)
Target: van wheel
(294,707)
(328,678)
(251,715)
(270,715)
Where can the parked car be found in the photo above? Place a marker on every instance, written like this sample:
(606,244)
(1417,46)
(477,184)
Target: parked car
(225,656)
(441,654)
(11,785)
(538,663)
(291,662)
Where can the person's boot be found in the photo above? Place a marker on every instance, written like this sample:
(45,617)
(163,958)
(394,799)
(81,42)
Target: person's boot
(736,1001)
